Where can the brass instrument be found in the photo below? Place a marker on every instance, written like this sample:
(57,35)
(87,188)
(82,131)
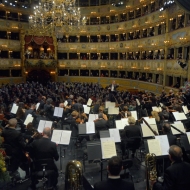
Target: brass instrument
(151,173)
(74,176)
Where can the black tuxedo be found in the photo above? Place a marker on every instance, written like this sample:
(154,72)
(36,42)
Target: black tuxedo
(29,111)
(176,177)
(15,140)
(132,131)
(77,107)
(44,149)
(101,124)
(49,109)
(112,92)
(113,184)
(172,139)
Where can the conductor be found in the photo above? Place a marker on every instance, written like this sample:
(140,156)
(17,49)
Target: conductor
(112,91)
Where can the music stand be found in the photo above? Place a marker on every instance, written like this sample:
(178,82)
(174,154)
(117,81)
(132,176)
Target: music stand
(104,134)
(94,152)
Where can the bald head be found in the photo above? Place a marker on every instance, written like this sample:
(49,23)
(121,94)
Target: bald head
(61,105)
(175,153)
(12,122)
(166,128)
(47,132)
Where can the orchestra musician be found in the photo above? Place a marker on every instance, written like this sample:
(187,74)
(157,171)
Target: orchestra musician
(130,131)
(112,91)
(49,109)
(114,181)
(43,149)
(176,176)
(14,139)
(166,128)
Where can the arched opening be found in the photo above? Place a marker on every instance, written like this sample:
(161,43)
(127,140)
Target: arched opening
(41,76)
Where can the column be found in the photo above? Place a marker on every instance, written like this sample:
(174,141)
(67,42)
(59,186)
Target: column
(175,53)
(185,19)
(154,78)
(155,30)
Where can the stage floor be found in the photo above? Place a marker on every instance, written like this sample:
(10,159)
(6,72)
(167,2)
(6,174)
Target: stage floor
(92,170)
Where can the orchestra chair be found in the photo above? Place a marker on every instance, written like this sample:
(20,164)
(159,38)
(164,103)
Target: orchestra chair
(42,171)
(125,173)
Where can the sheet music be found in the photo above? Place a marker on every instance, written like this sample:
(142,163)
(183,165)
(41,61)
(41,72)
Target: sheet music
(134,114)
(179,116)
(90,127)
(113,111)
(109,104)
(147,132)
(124,122)
(188,136)
(89,103)
(37,105)
(86,109)
(138,103)
(150,121)
(58,112)
(28,119)
(154,147)
(56,136)
(65,137)
(108,147)
(65,103)
(178,125)
(164,144)
(115,134)
(14,109)
(185,110)
(48,124)
(92,117)
(119,124)
(43,124)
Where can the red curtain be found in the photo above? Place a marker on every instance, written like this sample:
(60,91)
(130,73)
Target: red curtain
(39,40)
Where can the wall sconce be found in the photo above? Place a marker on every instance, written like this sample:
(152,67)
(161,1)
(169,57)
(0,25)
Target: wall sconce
(120,67)
(103,66)
(83,66)
(146,68)
(52,72)
(159,69)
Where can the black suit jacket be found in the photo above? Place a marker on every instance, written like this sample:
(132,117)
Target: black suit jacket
(114,184)
(115,86)
(172,139)
(176,177)
(101,124)
(49,109)
(132,131)
(15,139)
(43,148)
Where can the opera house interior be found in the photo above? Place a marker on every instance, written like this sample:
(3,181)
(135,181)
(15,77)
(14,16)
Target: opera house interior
(66,65)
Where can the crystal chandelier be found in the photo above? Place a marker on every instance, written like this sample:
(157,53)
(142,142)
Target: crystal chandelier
(52,14)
